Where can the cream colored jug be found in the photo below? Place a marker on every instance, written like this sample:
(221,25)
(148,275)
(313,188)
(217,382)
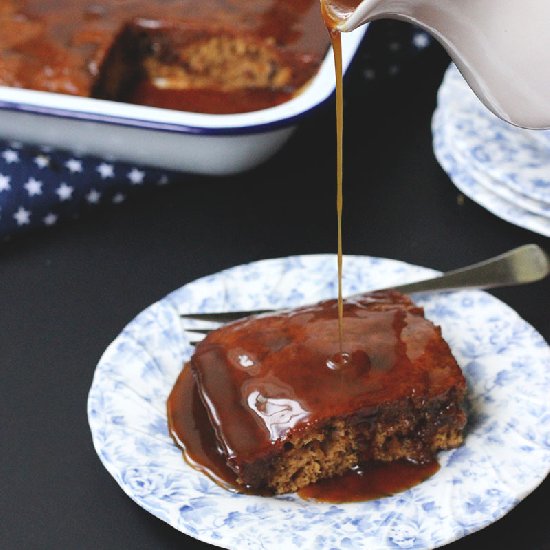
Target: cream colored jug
(501,47)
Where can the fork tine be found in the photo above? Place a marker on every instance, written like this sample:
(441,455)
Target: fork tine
(221,317)
(197,330)
(198,325)
(520,265)
(196,335)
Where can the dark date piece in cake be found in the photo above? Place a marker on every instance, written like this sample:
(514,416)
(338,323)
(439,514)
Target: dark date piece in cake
(290,404)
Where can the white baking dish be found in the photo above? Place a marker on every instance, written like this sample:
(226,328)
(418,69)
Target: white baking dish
(191,142)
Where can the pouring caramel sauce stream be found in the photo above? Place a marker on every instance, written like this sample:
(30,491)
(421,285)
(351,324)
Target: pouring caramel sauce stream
(190,426)
(336,40)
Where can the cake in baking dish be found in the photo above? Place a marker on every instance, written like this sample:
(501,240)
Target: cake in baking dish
(291,404)
(208,56)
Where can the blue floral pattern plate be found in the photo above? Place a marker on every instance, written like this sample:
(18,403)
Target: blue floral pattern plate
(503,168)
(481,187)
(506,453)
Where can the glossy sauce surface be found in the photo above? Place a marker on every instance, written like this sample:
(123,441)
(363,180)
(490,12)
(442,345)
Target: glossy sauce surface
(190,428)
(207,101)
(192,431)
(264,378)
(372,481)
(336,41)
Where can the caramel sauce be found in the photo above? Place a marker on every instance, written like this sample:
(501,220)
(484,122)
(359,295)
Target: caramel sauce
(192,431)
(372,481)
(207,100)
(336,40)
(269,377)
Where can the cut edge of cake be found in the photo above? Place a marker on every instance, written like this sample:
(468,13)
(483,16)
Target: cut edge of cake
(413,428)
(399,431)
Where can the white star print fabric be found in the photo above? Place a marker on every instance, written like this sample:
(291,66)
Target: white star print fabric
(40,188)
(388,48)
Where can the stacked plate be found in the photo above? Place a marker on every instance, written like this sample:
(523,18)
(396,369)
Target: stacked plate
(501,167)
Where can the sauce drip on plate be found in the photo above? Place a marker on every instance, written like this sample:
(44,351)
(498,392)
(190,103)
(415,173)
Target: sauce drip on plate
(191,429)
(268,378)
(341,363)
(373,481)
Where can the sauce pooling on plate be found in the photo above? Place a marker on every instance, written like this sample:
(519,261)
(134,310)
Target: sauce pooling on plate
(268,378)
(191,429)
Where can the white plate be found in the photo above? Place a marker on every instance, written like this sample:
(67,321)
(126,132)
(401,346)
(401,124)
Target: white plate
(512,157)
(479,186)
(466,156)
(505,456)
(193,142)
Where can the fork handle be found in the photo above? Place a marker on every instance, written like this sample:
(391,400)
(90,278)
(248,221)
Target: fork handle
(525,264)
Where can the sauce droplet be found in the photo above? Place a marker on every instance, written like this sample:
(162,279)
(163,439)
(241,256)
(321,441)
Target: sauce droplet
(338,360)
(357,362)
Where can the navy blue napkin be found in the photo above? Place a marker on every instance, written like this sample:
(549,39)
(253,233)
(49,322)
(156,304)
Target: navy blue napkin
(40,187)
(388,48)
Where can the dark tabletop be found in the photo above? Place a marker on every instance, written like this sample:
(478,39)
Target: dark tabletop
(66,292)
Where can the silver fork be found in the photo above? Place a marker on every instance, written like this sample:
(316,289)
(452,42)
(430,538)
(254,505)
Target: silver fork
(525,264)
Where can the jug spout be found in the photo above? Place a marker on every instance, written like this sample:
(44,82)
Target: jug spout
(501,47)
(347,15)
